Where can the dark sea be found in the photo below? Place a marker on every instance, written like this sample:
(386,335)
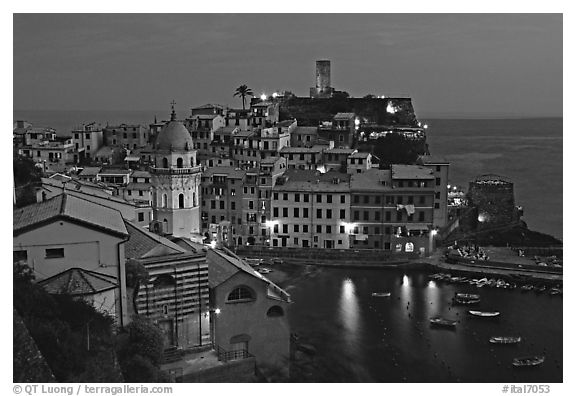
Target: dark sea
(527,151)
(360,338)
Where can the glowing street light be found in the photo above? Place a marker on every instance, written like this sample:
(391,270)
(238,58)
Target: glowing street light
(213,244)
(275,95)
(263,96)
(217,311)
(425,126)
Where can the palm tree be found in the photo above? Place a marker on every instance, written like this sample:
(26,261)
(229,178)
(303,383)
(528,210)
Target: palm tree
(243,91)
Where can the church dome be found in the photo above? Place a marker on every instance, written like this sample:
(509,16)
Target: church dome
(174,136)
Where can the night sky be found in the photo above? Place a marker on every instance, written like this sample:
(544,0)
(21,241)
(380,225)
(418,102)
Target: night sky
(452,65)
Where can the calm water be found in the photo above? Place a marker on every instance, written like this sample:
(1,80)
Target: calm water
(529,151)
(360,338)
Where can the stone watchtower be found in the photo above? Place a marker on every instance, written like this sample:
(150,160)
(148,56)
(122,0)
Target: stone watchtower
(176,177)
(323,88)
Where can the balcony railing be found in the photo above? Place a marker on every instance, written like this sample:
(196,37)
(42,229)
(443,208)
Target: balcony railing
(225,356)
(176,171)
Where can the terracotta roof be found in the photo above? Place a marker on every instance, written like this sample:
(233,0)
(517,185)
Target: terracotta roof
(359,155)
(146,244)
(229,171)
(90,171)
(306,180)
(371,180)
(66,206)
(411,172)
(79,282)
(344,116)
(219,273)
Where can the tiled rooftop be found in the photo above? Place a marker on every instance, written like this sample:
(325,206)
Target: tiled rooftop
(68,207)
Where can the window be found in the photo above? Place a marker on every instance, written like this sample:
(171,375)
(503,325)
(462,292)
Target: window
(319,229)
(275,311)
(285,228)
(421,216)
(284,212)
(329,229)
(140,216)
(250,204)
(296,241)
(366,199)
(318,213)
(437,181)
(328,213)
(179,163)
(55,253)
(296,197)
(342,230)
(342,198)
(328,198)
(356,215)
(319,198)
(233,205)
(342,214)
(285,197)
(437,205)
(164,200)
(305,228)
(377,216)
(222,205)
(241,293)
(296,212)
(305,213)
(181,201)
(306,198)
(366,215)
(275,212)
(388,216)
(276,196)
(296,227)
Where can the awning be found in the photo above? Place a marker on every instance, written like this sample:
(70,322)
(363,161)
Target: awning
(130,158)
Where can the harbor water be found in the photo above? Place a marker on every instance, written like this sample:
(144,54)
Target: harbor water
(360,338)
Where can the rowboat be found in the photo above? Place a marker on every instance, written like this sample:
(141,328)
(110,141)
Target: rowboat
(464,301)
(528,361)
(442,322)
(467,296)
(387,294)
(505,340)
(485,314)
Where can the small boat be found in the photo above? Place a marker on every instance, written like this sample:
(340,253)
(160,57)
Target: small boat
(387,294)
(442,322)
(264,270)
(526,288)
(505,340)
(467,296)
(540,289)
(485,314)
(465,301)
(555,291)
(528,361)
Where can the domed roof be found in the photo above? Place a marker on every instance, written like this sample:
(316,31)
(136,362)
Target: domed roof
(174,136)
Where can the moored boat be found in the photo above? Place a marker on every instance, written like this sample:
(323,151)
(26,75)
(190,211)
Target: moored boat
(505,340)
(528,361)
(467,296)
(442,322)
(386,294)
(465,301)
(526,288)
(485,314)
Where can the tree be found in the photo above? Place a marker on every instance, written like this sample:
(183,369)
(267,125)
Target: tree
(243,91)
(26,176)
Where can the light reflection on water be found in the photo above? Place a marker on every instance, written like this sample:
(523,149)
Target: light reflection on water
(361,338)
(349,311)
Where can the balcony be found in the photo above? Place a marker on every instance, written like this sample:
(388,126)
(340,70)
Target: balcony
(175,171)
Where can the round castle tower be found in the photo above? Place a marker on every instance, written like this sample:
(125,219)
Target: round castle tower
(176,177)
